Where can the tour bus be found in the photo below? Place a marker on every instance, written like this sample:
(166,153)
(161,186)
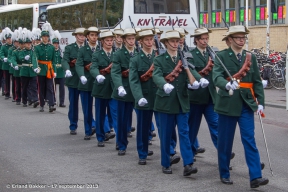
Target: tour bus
(65,17)
(23,15)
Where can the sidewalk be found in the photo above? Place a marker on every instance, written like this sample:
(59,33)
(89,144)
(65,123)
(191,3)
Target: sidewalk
(275,98)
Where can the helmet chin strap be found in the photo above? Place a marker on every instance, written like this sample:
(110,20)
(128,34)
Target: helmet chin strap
(129,44)
(171,45)
(237,43)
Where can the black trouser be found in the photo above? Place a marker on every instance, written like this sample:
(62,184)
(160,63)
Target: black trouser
(29,83)
(2,81)
(7,77)
(18,94)
(45,88)
(13,87)
(61,82)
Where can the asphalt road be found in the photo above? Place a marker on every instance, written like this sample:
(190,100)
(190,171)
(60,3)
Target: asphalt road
(36,149)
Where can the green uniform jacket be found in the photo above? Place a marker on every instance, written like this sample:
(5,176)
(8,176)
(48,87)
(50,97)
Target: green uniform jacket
(57,60)
(0,59)
(4,54)
(201,96)
(121,62)
(10,50)
(28,71)
(178,98)
(45,52)
(139,65)
(70,53)
(84,58)
(232,105)
(101,61)
(16,62)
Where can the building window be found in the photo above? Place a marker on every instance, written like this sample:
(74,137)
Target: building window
(216,18)
(278,9)
(242,13)
(230,14)
(203,10)
(261,12)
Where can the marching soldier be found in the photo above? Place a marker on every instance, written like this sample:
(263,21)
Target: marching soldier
(85,84)
(1,72)
(36,39)
(25,61)
(45,53)
(121,90)
(6,35)
(59,70)
(172,103)
(102,89)
(236,102)
(118,41)
(144,90)
(71,77)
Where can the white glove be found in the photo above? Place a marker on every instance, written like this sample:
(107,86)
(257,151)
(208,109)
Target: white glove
(16,68)
(37,70)
(260,109)
(100,78)
(5,59)
(168,88)
(264,82)
(27,57)
(204,82)
(83,80)
(142,102)
(55,75)
(121,91)
(232,86)
(11,65)
(68,73)
(195,85)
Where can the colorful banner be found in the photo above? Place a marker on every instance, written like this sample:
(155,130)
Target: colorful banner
(213,17)
(227,16)
(266,14)
(280,12)
(207,18)
(232,16)
(249,14)
(257,13)
(275,16)
(242,15)
(204,18)
(201,18)
(262,13)
(217,17)
(284,11)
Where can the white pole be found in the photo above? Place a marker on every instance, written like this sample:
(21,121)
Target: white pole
(268,27)
(246,14)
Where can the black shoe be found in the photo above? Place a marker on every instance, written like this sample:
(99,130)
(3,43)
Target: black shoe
(30,103)
(150,153)
(87,137)
(149,142)
(18,103)
(62,105)
(101,144)
(73,132)
(129,134)
(174,159)
(51,109)
(109,136)
(226,181)
(132,129)
(24,105)
(121,152)
(230,168)
(6,98)
(167,170)
(93,131)
(232,155)
(194,159)
(35,104)
(262,165)
(117,147)
(41,109)
(189,169)
(13,100)
(142,162)
(257,182)
(200,150)
(153,134)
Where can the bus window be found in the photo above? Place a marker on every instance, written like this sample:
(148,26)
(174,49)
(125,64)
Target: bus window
(29,18)
(65,24)
(114,10)
(88,18)
(99,6)
(76,13)
(162,7)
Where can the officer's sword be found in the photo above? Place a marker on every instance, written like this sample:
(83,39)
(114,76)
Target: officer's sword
(268,156)
(224,67)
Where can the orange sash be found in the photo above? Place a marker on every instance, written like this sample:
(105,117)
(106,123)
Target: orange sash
(50,70)
(250,86)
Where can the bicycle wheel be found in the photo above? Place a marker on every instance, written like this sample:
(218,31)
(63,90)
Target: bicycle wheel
(277,80)
(266,73)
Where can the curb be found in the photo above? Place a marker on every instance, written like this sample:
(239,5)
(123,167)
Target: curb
(275,105)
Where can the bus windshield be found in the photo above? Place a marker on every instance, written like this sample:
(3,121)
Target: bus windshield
(67,17)
(162,6)
(14,19)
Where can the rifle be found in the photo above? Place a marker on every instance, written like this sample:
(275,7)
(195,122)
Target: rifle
(119,21)
(184,61)
(185,47)
(157,43)
(136,42)
(113,45)
(99,42)
(225,23)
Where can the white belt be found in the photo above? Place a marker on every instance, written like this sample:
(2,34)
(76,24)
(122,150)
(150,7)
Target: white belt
(58,65)
(27,65)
